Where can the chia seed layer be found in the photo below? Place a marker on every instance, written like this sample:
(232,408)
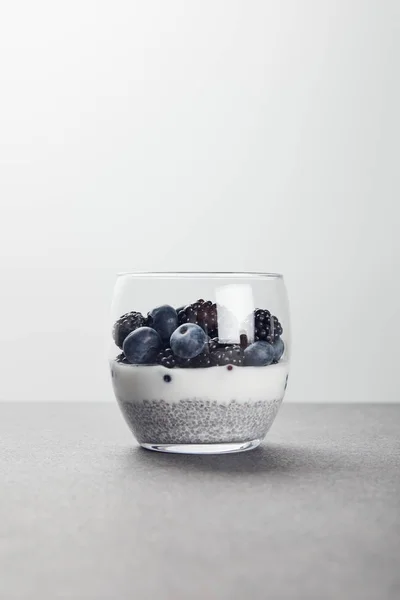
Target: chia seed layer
(194,421)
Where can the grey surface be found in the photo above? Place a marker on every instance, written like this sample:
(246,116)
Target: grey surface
(313,513)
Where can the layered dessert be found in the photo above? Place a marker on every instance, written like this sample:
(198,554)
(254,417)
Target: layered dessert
(181,379)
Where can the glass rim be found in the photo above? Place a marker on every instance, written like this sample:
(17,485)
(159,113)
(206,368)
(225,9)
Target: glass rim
(200,275)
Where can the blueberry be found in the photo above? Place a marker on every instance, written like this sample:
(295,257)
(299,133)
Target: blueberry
(142,346)
(164,320)
(188,340)
(279,348)
(258,354)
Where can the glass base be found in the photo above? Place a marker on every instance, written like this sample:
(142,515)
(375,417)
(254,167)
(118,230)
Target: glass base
(203,448)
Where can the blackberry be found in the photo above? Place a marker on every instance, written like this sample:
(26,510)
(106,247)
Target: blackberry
(203,360)
(266,327)
(125,325)
(121,358)
(213,344)
(202,313)
(227,355)
(166,358)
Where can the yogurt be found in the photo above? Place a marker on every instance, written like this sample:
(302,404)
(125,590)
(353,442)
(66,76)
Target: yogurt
(199,406)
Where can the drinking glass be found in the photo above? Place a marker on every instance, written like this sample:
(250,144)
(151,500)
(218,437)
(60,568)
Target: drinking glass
(200,361)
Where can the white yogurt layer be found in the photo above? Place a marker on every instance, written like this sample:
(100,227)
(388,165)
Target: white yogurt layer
(135,383)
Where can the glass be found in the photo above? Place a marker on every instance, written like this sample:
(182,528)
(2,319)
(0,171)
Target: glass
(200,361)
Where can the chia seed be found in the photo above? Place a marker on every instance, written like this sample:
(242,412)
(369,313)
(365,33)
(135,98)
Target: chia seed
(194,421)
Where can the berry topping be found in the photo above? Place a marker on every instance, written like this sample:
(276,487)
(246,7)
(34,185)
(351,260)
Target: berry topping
(188,341)
(227,355)
(142,346)
(187,337)
(166,358)
(121,358)
(213,344)
(125,325)
(279,348)
(266,327)
(258,354)
(201,313)
(202,360)
(164,320)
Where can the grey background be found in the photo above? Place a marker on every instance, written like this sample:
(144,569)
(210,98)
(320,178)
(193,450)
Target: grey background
(312,514)
(213,135)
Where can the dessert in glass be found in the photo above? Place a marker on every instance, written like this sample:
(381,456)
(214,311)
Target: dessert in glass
(200,361)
